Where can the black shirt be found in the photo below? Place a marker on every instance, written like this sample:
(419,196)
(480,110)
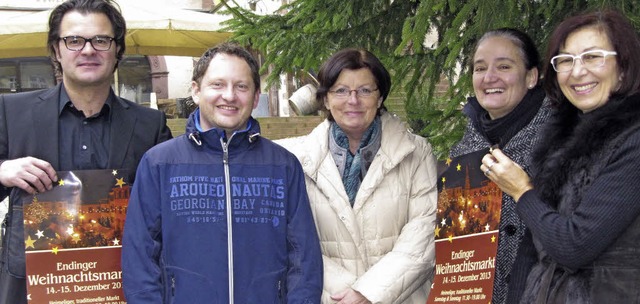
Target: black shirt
(83,141)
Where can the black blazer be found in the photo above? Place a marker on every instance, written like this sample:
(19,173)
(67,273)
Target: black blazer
(29,127)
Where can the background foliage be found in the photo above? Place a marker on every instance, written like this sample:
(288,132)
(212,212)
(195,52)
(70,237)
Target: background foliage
(306,32)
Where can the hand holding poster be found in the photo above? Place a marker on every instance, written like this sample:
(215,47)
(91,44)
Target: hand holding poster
(466,232)
(72,238)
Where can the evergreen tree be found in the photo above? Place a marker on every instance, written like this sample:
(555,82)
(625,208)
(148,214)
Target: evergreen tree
(422,42)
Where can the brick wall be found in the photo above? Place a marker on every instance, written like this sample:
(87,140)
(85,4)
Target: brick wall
(270,127)
(281,127)
(395,104)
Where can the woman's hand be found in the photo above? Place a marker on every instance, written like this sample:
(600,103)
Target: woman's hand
(508,175)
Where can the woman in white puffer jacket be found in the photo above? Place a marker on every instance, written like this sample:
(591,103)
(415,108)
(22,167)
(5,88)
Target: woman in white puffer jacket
(372,188)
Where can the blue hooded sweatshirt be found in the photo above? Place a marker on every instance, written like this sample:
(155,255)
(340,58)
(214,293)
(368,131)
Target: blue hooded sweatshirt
(180,243)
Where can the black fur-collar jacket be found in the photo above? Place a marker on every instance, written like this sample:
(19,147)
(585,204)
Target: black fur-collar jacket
(574,151)
(576,146)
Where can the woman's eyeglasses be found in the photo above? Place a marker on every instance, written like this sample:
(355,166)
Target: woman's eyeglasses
(360,92)
(590,59)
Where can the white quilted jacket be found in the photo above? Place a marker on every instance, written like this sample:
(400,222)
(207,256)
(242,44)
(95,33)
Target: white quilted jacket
(383,247)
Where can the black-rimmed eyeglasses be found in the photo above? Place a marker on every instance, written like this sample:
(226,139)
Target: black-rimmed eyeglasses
(590,59)
(77,43)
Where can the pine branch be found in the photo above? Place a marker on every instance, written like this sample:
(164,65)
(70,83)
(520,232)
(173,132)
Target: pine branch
(396,32)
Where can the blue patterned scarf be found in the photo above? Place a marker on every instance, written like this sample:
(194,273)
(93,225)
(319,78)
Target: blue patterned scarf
(352,176)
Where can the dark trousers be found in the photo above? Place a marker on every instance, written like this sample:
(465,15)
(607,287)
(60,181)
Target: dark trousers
(13,290)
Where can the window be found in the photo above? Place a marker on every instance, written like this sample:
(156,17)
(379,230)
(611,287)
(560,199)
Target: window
(25,74)
(134,78)
(29,74)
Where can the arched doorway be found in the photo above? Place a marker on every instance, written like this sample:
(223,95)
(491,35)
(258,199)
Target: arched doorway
(139,76)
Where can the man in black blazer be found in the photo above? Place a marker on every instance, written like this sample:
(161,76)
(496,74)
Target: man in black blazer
(79,124)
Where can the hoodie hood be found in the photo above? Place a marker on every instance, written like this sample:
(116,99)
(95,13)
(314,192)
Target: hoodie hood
(216,136)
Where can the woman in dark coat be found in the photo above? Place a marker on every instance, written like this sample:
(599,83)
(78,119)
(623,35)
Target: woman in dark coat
(507,109)
(583,203)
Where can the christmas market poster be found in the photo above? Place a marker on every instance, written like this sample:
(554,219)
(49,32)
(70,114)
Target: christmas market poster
(466,232)
(72,238)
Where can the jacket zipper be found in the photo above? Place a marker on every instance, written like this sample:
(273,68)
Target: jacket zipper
(281,295)
(173,286)
(227,182)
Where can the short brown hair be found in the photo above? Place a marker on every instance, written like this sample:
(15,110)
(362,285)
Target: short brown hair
(351,59)
(107,7)
(228,48)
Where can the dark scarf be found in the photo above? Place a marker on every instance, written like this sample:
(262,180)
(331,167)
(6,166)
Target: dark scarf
(500,131)
(352,176)
(574,145)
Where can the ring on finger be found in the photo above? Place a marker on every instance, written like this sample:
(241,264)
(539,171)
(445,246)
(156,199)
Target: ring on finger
(491,165)
(487,172)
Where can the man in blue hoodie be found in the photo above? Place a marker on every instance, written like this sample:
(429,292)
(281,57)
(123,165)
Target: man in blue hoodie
(219,214)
